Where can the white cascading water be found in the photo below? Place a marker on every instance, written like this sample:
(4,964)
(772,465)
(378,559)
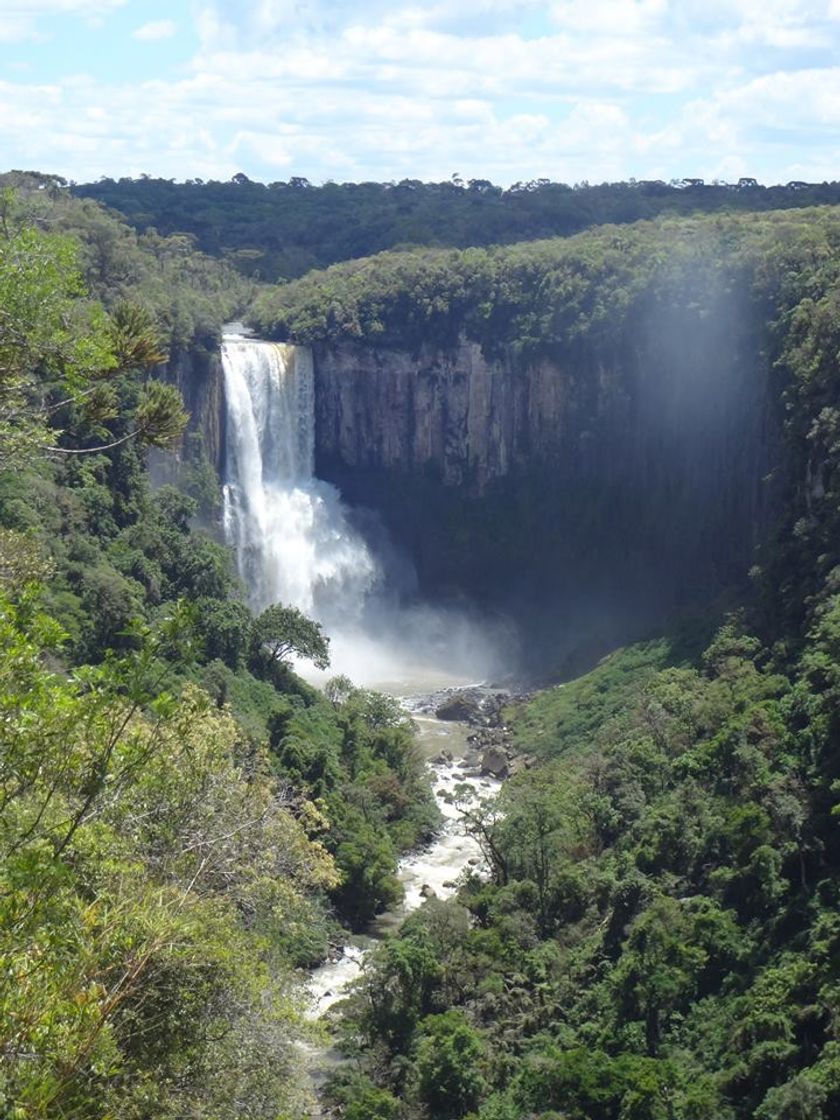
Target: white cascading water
(290,531)
(295,543)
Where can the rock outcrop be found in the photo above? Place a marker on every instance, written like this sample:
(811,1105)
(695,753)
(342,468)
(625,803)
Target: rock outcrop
(495,762)
(457,707)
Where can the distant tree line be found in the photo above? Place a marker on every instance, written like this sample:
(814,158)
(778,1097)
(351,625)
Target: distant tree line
(281,230)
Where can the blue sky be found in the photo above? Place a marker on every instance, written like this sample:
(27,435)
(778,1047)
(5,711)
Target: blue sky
(499,89)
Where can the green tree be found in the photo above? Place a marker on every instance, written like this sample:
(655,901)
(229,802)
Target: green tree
(659,969)
(449,1058)
(283,631)
(59,352)
(53,345)
(361,1099)
(135,337)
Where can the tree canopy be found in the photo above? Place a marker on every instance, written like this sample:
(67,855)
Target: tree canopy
(285,631)
(281,230)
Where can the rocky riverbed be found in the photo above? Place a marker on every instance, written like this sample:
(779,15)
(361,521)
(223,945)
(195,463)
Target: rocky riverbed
(470,752)
(490,747)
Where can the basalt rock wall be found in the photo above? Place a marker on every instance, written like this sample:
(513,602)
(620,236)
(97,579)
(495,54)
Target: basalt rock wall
(198,374)
(637,468)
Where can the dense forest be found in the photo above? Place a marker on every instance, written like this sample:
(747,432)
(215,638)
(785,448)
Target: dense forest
(564,295)
(185,825)
(282,230)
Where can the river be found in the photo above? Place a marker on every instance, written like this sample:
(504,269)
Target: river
(435,867)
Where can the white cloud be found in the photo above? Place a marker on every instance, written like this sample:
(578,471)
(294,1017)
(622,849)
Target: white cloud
(20,21)
(501,89)
(779,24)
(156,30)
(798,102)
(609,17)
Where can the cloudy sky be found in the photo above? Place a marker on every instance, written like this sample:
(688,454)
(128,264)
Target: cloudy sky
(499,89)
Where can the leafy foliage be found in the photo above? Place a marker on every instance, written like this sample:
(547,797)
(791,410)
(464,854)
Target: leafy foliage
(49,338)
(283,631)
(282,230)
(189,294)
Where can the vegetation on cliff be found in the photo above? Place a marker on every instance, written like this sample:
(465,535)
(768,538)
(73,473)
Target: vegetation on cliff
(282,230)
(182,819)
(565,296)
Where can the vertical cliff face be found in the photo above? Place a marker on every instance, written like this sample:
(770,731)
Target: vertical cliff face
(638,466)
(467,419)
(197,374)
(197,464)
(678,404)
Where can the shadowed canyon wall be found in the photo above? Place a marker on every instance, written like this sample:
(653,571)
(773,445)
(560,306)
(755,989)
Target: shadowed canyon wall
(197,373)
(624,479)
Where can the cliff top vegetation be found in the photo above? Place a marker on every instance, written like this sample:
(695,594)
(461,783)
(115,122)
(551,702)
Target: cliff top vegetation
(544,295)
(281,230)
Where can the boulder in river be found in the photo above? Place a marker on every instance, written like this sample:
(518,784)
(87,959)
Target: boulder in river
(457,707)
(427,892)
(494,761)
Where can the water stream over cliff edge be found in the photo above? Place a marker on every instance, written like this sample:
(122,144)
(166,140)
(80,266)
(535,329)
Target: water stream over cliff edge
(297,543)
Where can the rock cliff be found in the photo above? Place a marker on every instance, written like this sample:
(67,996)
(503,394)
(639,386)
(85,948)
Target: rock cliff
(640,467)
(197,374)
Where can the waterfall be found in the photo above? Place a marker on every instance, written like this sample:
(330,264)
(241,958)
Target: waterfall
(295,543)
(290,530)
